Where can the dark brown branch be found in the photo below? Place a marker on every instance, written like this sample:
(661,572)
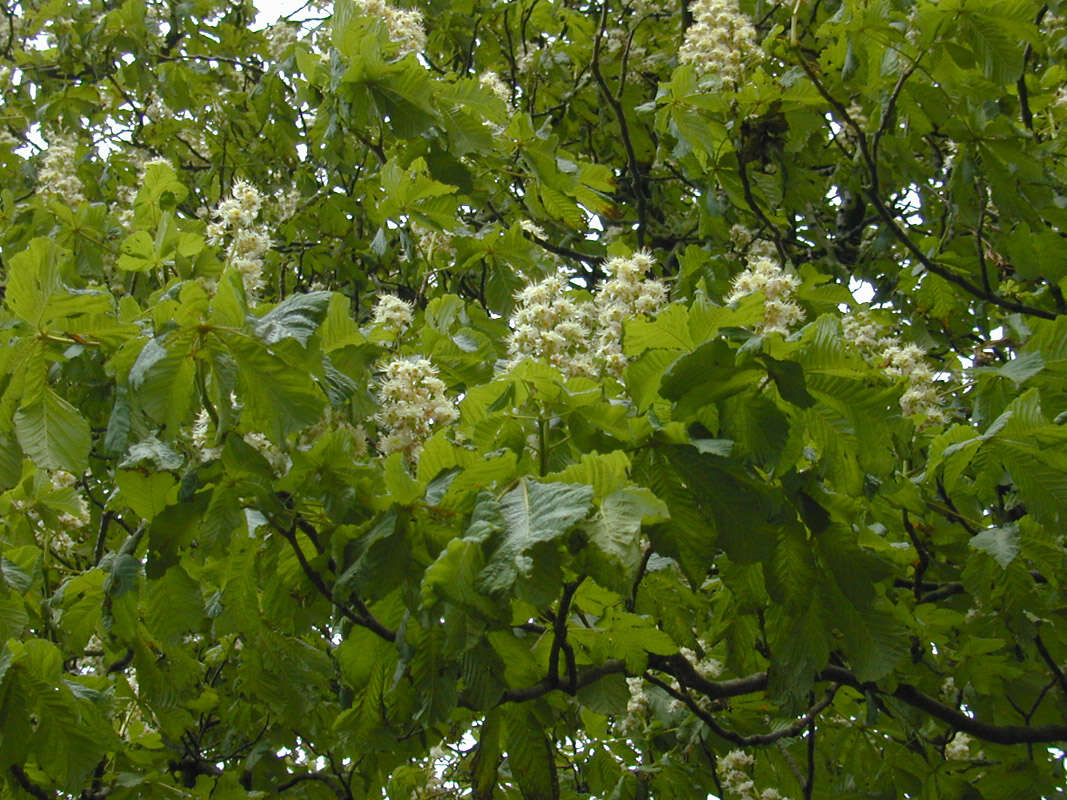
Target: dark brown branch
(679,668)
(584,678)
(624,128)
(28,786)
(788,732)
(559,637)
(750,198)
(1051,662)
(311,776)
(920,548)
(361,616)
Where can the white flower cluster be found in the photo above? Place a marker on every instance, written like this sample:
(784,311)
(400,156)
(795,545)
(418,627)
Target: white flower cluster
(404,25)
(428,241)
(735,778)
(625,295)
(280,37)
(749,245)
(413,402)
(899,360)
(57,175)
(392,312)
(492,81)
(959,748)
(584,338)
(549,324)
(636,706)
(707,668)
(279,461)
(780,311)
(201,438)
(720,40)
(532,228)
(334,419)
(236,216)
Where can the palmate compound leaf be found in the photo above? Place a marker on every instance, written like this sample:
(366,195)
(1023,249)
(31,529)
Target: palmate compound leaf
(532,513)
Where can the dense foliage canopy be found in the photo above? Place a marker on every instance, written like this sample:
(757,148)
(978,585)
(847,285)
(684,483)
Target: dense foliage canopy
(541,399)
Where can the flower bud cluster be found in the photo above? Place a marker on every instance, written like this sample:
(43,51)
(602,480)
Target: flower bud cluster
(413,402)
(57,175)
(780,311)
(428,241)
(584,338)
(720,40)
(236,217)
(405,26)
(392,312)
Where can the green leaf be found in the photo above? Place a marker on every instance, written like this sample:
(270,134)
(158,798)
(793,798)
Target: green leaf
(531,756)
(35,290)
(616,530)
(147,494)
(296,317)
(279,397)
(532,513)
(163,378)
(53,434)
(1001,543)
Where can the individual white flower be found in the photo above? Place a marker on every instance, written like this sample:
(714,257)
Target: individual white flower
(391,311)
(720,41)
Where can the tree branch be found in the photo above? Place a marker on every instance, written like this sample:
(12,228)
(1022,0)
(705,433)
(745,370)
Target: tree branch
(363,618)
(873,192)
(624,128)
(28,786)
(1051,662)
